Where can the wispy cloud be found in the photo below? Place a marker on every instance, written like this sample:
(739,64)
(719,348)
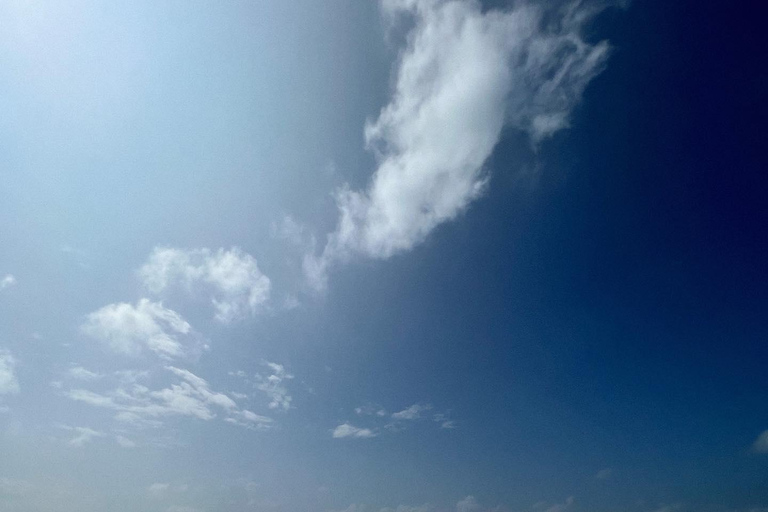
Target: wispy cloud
(8,381)
(130,330)
(82,435)
(236,285)
(7,281)
(347,430)
(411,413)
(464,75)
(80,373)
(138,406)
(761,443)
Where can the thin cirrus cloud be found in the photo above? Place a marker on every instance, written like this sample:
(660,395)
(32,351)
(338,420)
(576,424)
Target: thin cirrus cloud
(464,75)
(136,405)
(761,443)
(232,277)
(147,326)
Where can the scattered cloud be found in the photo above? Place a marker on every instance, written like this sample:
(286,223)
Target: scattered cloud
(760,445)
(273,386)
(124,442)
(8,382)
(130,330)
(561,507)
(370,410)
(347,430)
(7,281)
(444,421)
(232,277)
(465,74)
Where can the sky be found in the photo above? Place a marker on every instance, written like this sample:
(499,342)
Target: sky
(383,256)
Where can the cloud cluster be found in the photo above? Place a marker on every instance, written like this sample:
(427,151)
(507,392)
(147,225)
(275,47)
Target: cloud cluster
(273,386)
(464,75)
(232,277)
(130,330)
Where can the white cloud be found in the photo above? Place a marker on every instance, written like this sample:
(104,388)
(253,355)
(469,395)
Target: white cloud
(130,330)
(347,430)
(411,413)
(233,277)
(444,421)
(8,381)
(761,443)
(80,373)
(7,281)
(138,406)
(465,74)
(273,386)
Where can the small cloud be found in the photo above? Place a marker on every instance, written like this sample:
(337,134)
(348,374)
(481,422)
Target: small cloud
(347,430)
(468,504)
(125,442)
(83,435)
(158,488)
(604,474)
(7,281)
(761,443)
(8,382)
(273,385)
(411,413)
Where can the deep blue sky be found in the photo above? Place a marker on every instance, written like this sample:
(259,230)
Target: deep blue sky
(590,329)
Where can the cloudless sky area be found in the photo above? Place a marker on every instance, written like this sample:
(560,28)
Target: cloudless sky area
(396,256)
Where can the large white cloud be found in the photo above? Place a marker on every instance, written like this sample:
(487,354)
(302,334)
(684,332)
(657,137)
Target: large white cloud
(232,277)
(130,329)
(464,75)
(8,381)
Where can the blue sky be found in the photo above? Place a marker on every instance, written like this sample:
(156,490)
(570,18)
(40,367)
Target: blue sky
(403,256)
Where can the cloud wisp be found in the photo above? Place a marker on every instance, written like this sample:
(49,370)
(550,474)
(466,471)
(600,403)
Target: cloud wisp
(136,405)
(232,277)
(348,430)
(464,75)
(7,281)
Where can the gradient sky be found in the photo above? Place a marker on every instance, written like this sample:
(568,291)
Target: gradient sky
(397,256)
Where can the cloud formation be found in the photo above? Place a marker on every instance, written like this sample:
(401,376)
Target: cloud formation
(8,381)
(237,286)
(273,386)
(464,75)
(130,330)
(761,443)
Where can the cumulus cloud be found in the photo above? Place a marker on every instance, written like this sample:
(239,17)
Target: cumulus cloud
(232,277)
(273,385)
(129,329)
(191,396)
(8,382)
(7,281)
(347,430)
(464,75)
(760,445)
